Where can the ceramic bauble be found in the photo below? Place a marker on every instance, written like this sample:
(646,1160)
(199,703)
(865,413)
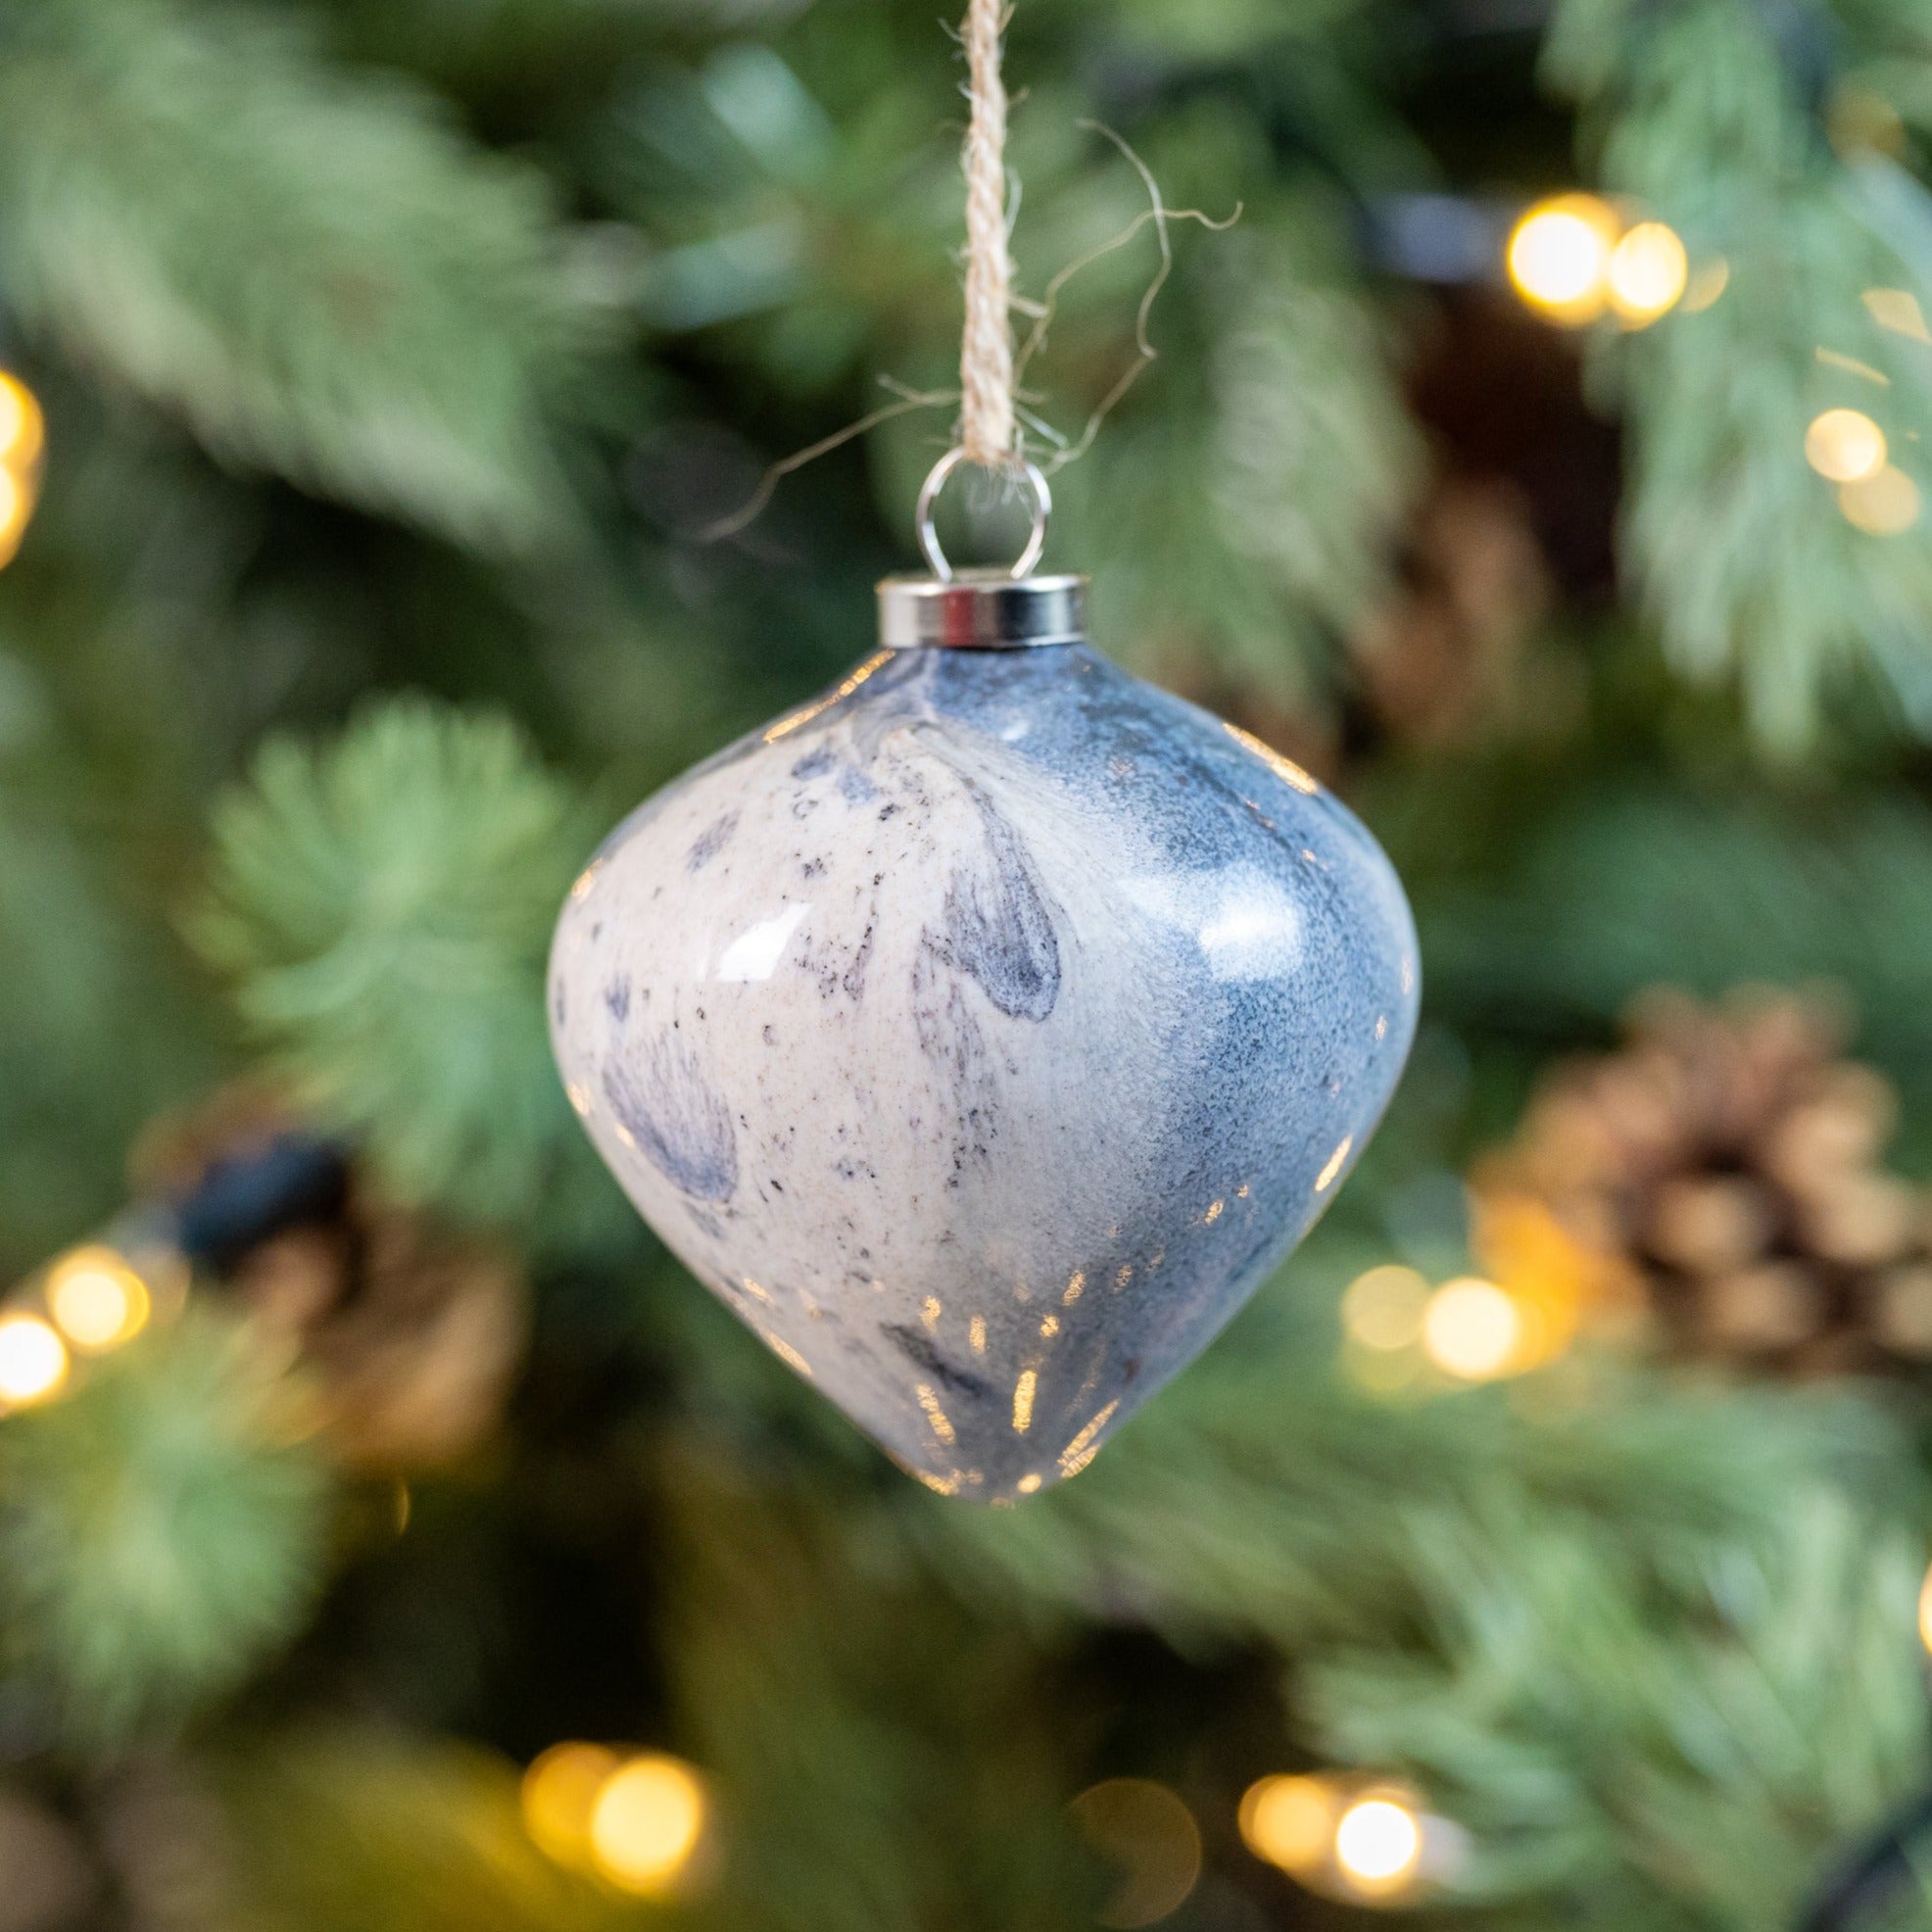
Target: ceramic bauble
(984,1031)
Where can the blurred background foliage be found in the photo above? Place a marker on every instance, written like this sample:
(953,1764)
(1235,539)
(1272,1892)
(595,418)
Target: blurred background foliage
(390,1534)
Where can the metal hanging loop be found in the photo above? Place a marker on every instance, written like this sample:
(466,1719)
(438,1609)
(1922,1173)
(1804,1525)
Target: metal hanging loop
(929,494)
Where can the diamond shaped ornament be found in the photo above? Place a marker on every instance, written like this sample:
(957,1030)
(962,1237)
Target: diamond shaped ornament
(982,1031)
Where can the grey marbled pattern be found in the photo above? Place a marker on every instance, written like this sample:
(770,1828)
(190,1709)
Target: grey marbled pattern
(983,1032)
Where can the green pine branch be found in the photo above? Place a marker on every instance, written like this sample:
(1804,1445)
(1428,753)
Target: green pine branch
(312,267)
(1625,888)
(100,1031)
(385,906)
(160,1531)
(1240,514)
(1701,1767)
(1714,117)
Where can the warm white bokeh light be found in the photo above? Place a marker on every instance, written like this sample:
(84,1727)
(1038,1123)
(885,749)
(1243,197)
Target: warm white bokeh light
(561,1792)
(1288,1821)
(33,1361)
(1558,257)
(1898,309)
(1845,446)
(1711,280)
(646,1823)
(22,428)
(97,1301)
(1472,1328)
(1149,1836)
(1378,1843)
(1646,273)
(1382,1309)
(1885,503)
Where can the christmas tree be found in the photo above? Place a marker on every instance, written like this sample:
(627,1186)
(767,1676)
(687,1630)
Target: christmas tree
(1514,417)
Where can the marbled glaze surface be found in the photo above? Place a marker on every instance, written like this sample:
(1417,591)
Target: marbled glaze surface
(983,1032)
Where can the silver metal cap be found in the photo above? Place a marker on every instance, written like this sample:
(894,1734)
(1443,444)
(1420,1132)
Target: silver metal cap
(982,610)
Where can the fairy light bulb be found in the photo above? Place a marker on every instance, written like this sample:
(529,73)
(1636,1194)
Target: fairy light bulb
(1472,1329)
(23,427)
(558,1795)
(1885,503)
(646,1823)
(1558,257)
(1369,1840)
(1383,1308)
(1288,1821)
(33,1361)
(1926,1611)
(1378,1844)
(23,437)
(1707,285)
(1646,274)
(97,1301)
(1845,446)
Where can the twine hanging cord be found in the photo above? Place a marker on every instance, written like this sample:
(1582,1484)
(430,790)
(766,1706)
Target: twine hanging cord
(988,370)
(991,411)
(987,431)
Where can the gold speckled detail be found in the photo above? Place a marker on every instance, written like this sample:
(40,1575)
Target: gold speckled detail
(785,1352)
(928,1401)
(819,707)
(1284,768)
(1325,1178)
(1023,1392)
(1080,1449)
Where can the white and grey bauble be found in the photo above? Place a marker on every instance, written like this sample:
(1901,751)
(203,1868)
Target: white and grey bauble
(984,1031)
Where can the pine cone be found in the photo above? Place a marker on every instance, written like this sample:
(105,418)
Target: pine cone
(411,1333)
(1722,1170)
